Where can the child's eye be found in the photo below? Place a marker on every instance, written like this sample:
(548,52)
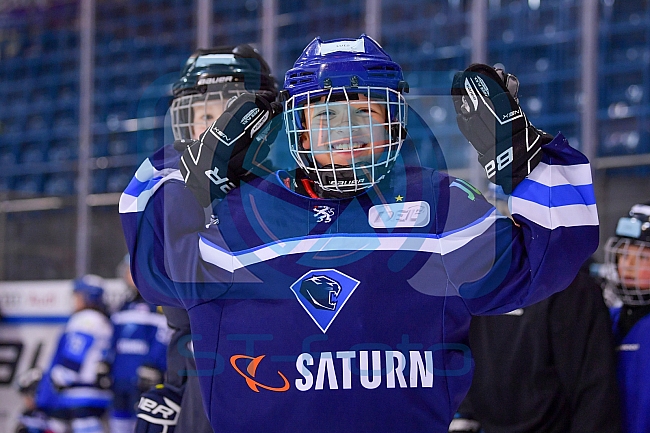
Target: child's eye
(365,110)
(324,113)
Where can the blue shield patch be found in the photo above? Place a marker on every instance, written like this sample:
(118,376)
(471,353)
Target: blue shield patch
(323,293)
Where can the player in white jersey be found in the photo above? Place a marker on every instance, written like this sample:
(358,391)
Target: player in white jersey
(70,390)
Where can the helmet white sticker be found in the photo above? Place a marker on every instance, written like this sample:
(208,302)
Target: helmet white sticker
(629,227)
(356,46)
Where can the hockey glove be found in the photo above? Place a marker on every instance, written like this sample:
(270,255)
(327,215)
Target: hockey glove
(33,421)
(104,379)
(463,424)
(28,381)
(489,116)
(148,377)
(158,410)
(231,148)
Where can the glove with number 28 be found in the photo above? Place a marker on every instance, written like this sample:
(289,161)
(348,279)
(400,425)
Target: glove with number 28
(228,151)
(489,116)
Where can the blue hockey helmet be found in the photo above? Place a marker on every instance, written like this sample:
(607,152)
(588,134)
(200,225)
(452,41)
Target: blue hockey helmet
(345,113)
(351,63)
(209,79)
(91,288)
(627,256)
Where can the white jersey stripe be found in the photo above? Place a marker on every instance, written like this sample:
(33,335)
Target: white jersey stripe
(86,392)
(553,175)
(139,317)
(552,218)
(136,203)
(429,243)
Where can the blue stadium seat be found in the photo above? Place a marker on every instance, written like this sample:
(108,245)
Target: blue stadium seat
(59,184)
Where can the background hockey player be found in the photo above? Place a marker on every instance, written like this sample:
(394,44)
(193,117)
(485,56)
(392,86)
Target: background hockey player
(338,297)
(549,367)
(137,358)
(31,420)
(70,390)
(627,255)
(211,77)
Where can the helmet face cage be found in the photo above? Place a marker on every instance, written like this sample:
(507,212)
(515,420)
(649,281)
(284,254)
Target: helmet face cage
(194,113)
(628,261)
(346,139)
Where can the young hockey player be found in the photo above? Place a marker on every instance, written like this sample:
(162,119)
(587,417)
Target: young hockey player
(211,77)
(549,367)
(627,255)
(69,390)
(338,297)
(137,357)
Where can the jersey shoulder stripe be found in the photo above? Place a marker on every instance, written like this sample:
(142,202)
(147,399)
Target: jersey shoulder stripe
(554,217)
(559,191)
(145,183)
(554,175)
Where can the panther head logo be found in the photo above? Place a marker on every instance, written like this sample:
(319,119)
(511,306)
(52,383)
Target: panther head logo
(321,291)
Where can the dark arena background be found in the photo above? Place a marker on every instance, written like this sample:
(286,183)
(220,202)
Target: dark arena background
(85,89)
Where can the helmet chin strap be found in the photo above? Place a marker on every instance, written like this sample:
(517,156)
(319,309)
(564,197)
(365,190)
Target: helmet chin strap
(309,186)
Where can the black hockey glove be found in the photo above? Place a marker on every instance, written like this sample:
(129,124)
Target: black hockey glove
(148,377)
(33,421)
(158,410)
(489,116)
(28,381)
(104,379)
(230,149)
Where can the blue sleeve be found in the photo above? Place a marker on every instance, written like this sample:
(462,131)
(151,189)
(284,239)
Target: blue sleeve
(161,220)
(170,217)
(553,230)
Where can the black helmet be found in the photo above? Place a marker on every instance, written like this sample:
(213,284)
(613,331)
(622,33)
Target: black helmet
(632,240)
(210,78)
(221,65)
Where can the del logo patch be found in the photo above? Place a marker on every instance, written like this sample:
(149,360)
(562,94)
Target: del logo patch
(394,215)
(323,293)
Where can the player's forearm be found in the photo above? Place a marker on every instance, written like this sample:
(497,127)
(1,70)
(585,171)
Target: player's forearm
(555,231)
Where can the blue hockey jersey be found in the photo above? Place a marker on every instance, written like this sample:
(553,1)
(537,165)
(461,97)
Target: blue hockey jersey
(329,315)
(633,352)
(140,337)
(70,381)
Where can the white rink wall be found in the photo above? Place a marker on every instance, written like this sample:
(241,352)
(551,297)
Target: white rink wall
(33,316)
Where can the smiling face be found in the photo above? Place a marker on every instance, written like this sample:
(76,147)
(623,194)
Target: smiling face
(346,139)
(345,133)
